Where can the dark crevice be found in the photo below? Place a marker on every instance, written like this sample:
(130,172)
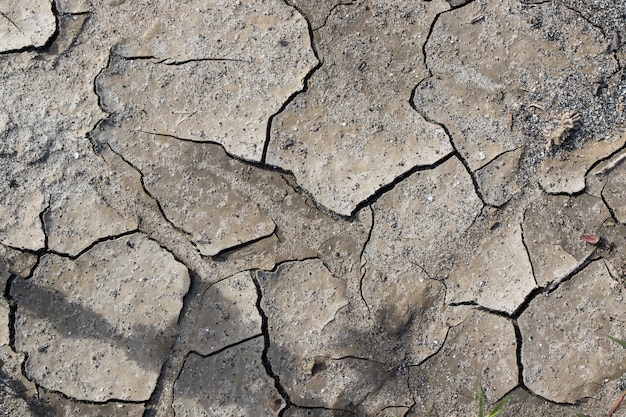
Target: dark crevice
(585,18)
(195,283)
(92,245)
(268,129)
(428,119)
(532,267)
(266,338)
(357,358)
(98,94)
(42,220)
(187,61)
(441,345)
(222,349)
(606,203)
(553,285)
(86,12)
(74,42)
(455,150)
(310,198)
(305,88)
(335,410)
(518,356)
(13,307)
(391,185)
(223,254)
(286,261)
(149,194)
(171,62)
(261,166)
(89,402)
(363,267)
(608,270)
(331,11)
(579,267)
(482,308)
(20,390)
(134,57)
(101,124)
(605,159)
(39,49)
(524,304)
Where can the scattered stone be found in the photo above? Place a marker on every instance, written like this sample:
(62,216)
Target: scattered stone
(481,350)
(100,333)
(498,277)
(234,383)
(228,315)
(552,228)
(566,354)
(356,112)
(497,180)
(77,219)
(25,23)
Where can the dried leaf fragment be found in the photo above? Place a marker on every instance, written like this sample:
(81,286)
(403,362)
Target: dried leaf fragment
(591,238)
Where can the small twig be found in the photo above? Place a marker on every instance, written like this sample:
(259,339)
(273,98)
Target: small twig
(537,106)
(12,22)
(617,404)
(612,165)
(477,19)
(187,115)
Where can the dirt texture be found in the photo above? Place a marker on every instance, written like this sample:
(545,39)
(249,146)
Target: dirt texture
(312,208)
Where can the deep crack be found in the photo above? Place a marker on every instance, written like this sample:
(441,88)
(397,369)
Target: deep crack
(266,346)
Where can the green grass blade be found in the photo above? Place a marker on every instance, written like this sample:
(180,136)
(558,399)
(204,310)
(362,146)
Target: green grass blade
(480,400)
(619,342)
(499,408)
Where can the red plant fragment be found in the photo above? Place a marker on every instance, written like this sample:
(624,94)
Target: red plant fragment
(591,238)
(617,404)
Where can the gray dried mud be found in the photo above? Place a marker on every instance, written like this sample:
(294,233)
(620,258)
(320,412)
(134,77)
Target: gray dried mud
(312,208)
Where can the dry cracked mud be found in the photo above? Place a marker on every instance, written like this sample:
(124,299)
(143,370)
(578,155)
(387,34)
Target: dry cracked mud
(312,208)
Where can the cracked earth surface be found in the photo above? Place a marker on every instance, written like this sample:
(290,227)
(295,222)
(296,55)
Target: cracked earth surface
(312,208)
